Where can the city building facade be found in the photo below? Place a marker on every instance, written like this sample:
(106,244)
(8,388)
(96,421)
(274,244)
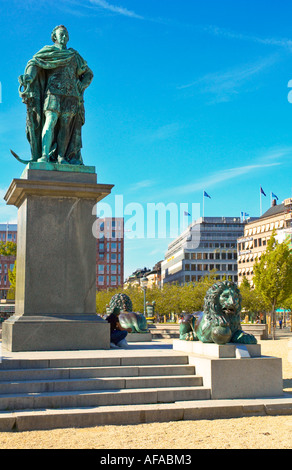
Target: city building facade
(134,279)
(8,233)
(154,276)
(110,253)
(208,244)
(257,234)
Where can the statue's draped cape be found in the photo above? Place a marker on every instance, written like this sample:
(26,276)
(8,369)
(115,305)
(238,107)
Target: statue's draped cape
(49,57)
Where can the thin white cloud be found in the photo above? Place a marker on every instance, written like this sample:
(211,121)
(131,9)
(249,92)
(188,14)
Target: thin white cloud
(141,185)
(161,133)
(220,177)
(116,9)
(222,86)
(267,160)
(222,32)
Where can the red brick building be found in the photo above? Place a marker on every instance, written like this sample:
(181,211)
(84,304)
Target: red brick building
(110,253)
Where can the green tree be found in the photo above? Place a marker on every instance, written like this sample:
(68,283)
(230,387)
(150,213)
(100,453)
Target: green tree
(252,301)
(8,248)
(273,275)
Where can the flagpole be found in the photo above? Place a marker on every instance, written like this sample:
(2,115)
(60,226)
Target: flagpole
(261,203)
(203,205)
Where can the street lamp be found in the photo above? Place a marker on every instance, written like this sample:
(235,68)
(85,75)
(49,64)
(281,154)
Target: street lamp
(143,283)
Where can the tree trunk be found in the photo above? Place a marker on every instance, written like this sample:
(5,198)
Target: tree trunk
(274,323)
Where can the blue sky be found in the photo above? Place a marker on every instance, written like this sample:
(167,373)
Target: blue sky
(188,95)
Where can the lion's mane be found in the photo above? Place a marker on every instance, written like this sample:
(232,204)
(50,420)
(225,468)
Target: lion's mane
(213,308)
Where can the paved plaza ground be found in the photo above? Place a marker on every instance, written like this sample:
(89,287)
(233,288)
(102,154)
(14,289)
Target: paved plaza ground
(261,432)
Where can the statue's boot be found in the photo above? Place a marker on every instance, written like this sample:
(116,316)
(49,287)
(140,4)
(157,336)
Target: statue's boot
(43,158)
(61,160)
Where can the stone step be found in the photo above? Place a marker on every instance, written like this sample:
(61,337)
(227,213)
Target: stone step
(43,419)
(111,360)
(91,372)
(105,383)
(88,398)
(165,335)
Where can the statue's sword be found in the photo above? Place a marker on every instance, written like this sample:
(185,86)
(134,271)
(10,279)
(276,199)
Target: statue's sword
(19,159)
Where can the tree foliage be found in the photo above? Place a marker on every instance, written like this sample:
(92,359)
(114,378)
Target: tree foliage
(8,248)
(173,298)
(273,275)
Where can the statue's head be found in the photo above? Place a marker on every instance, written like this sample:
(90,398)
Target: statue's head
(60,34)
(223,298)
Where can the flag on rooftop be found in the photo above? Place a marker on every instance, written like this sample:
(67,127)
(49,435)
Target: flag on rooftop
(275,197)
(187,214)
(207,195)
(263,192)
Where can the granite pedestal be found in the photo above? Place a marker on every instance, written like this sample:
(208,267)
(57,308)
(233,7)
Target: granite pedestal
(56,261)
(233,370)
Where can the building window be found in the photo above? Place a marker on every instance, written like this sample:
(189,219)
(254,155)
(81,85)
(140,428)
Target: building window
(101,268)
(100,280)
(113,280)
(114,269)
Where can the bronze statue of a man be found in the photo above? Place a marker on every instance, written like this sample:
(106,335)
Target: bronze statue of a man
(52,87)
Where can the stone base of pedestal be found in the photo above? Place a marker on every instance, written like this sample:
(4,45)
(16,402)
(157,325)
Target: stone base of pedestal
(233,370)
(139,337)
(55,333)
(56,260)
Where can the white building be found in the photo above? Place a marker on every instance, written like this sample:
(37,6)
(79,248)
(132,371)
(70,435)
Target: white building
(207,244)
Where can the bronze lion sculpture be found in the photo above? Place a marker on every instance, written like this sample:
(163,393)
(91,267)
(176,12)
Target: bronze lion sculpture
(220,320)
(121,305)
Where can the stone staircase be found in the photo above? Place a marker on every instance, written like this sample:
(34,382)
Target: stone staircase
(164,331)
(65,392)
